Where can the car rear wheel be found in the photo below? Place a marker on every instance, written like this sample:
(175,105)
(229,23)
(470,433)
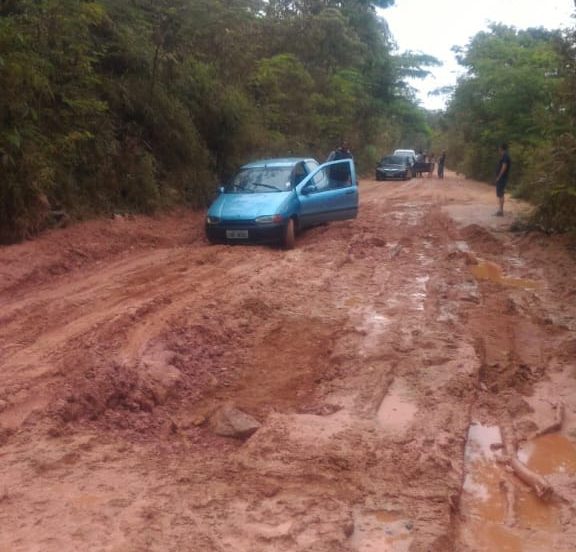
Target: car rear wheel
(289,238)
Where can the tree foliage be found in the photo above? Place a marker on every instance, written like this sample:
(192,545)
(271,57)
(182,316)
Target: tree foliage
(136,104)
(519,87)
(553,185)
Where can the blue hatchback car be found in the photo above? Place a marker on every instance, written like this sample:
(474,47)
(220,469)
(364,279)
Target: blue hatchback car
(271,199)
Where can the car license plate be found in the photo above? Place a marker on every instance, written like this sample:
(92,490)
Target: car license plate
(237,234)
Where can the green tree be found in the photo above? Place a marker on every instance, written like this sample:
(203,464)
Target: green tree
(506,95)
(552,179)
(134,105)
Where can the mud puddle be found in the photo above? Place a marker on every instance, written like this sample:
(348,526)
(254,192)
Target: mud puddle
(397,410)
(374,326)
(382,531)
(549,454)
(492,272)
(500,513)
(420,294)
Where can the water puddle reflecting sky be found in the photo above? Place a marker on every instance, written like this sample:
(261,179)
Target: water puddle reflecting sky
(375,326)
(489,522)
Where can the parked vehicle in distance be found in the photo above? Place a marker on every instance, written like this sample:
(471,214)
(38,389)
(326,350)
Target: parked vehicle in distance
(409,152)
(394,167)
(271,199)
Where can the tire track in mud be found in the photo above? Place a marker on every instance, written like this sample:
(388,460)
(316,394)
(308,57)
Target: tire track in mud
(124,305)
(315,457)
(331,447)
(497,510)
(363,353)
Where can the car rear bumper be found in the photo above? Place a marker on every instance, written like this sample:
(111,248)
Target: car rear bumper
(400,175)
(269,233)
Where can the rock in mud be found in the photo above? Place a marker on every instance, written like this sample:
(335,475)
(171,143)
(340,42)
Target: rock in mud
(229,421)
(163,380)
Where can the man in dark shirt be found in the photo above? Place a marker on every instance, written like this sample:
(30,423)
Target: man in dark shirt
(441,163)
(502,177)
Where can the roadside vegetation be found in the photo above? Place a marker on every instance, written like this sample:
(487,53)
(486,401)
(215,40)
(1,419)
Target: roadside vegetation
(127,106)
(132,105)
(519,87)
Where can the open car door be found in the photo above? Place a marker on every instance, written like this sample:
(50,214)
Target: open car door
(330,192)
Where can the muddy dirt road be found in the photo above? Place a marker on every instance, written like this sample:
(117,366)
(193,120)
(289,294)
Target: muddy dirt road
(397,365)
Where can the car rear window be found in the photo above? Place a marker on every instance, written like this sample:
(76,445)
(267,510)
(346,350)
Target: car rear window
(394,160)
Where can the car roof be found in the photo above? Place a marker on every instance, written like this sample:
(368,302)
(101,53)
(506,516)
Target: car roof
(276,162)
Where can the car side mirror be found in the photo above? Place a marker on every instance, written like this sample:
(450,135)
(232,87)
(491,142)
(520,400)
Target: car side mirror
(309,189)
(221,189)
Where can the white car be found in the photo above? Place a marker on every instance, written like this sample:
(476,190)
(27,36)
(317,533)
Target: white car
(409,152)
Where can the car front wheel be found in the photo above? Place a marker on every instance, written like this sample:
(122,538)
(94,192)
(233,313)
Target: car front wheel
(289,238)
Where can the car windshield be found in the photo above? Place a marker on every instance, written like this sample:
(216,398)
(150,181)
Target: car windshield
(261,179)
(393,160)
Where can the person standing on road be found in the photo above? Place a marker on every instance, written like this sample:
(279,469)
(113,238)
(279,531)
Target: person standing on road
(339,175)
(502,177)
(420,160)
(441,163)
(431,161)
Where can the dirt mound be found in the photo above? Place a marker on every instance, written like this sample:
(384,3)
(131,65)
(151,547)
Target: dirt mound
(144,396)
(482,240)
(107,388)
(67,250)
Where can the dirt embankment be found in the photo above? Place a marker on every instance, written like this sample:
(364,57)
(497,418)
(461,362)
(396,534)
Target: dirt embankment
(386,359)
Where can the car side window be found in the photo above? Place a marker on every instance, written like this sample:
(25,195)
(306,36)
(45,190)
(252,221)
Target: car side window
(311,166)
(319,181)
(298,174)
(339,175)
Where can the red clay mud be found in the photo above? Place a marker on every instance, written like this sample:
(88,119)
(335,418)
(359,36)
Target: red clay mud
(366,354)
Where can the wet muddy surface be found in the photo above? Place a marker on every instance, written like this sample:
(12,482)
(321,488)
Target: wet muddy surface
(550,454)
(389,368)
(490,271)
(497,512)
(398,409)
(382,530)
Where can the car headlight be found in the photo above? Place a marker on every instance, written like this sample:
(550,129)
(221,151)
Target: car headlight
(212,220)
(269,219)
